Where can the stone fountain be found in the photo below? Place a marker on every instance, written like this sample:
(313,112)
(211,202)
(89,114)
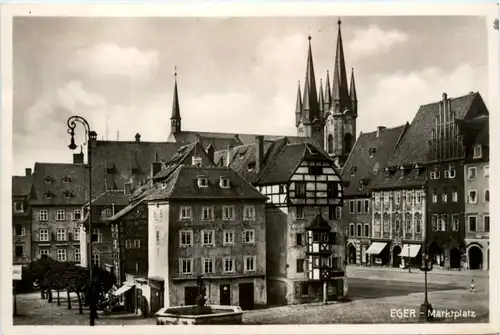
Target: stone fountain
(200,314)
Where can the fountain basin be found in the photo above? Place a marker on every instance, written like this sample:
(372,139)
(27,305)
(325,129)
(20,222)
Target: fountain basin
(208,315)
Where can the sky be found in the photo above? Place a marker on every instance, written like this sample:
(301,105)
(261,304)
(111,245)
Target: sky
(234,74)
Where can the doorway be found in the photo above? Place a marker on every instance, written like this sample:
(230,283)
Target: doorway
(225,294)
(351,250)
(396,258)
(246,295)
(475,258)
(190,293)
(455,258)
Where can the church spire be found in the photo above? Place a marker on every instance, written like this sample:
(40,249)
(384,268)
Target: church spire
(328,93)
(298,106)
(175,119)
(310,100)
(340,90)
(321,101)
(353,95)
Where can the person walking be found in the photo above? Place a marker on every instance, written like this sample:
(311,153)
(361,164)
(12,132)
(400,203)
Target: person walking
(472,286)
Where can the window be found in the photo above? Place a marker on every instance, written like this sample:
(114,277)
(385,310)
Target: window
(196,161)
(185,213)
(454,196)
(157,237)
(61,234)
(478,151)
(333,189)
(207,238)
(137,244)
(44,252)
(386,198)
(207,213)
(472,198)
(367,230)
(315,170)
(351,207)
(77,215)
(186,237)
(43,235)
(434,196)
(61,255)
(106,213)
(353,170)
(418,222)
(249,213)
(208,265)
(338,213)
(409,197)
(281,188)
(300,265)
(18,207)
(358,206)
(228,237)
(186,266)
(60,215)
(446,174)
(19,229)
(486,219)
(300,212)
(115,244)
(202,182)
(359,230)
(331,212)
(228,263)
(471,173)
(304,288)
(371,152)
(367,206)
(49,195)
(76,234)
(249,263)
(96,235)
(44,215)
(454,222)
(472,224)
(19,251)
(249,236)
(434,222)
(452,173)
(228,212)
(486,170)
(487,196)
(351,229)
(418,197)
(444,222)
(128,244)
(224,182)
(408,222)
(397,198)
(377,199)
(300,189)
(299,239)
(77,254)
(444,196)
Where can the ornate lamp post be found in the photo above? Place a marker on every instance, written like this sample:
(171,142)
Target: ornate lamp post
(89,135)
(426,307)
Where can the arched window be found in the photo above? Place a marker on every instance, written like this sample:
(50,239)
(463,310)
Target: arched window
(487,196)
(360,230)
(408,222)
(351,229)
(386,223)
(418,222)
(330,143)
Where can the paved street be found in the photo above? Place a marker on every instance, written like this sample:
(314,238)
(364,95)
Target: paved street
(372,300)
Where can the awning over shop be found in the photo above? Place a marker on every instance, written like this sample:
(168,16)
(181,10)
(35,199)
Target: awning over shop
(122,290)
(410,250)
(376,247)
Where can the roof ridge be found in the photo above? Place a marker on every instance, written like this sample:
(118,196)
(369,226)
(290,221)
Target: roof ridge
(472,93)
(268,164)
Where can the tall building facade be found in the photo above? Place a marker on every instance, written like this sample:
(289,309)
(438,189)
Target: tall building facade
(21,218)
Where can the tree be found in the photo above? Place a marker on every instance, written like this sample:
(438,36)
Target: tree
(36,274)
(56,279)
(78,280)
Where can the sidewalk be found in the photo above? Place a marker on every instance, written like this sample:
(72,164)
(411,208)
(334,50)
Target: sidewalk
(470,273)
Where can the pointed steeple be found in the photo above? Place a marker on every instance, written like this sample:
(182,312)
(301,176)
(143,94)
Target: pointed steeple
(175,119)
(298,106)
(310,100)
(340,91)
(353,96)
(321,101)
(328,93)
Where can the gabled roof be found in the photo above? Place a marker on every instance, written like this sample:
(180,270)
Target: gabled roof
(183,184)
(76,187)
(21,185)
(414,146)
(412,178)
(117,162)
(110,197)
(318,223)
(221,141)
(126,210)
(366,167)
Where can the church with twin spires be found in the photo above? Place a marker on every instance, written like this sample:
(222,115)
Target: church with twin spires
(325,115)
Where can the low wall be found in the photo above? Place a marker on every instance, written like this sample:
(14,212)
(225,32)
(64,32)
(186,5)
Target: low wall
(225,315)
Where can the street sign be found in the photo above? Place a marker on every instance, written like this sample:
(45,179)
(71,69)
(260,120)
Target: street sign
(17,272)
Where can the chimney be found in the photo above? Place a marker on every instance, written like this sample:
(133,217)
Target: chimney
(198,138)
(228,157)
(445,96)
(28,172)
(92,139)
(210,153)
(78,158)
(127,188)
(155,168)
(379,129)
(137,137)
(259,152)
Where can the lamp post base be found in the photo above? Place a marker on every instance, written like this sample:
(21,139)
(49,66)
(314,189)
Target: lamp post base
(426,312)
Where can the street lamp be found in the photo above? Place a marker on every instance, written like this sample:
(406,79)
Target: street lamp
(89,134)
(426,307)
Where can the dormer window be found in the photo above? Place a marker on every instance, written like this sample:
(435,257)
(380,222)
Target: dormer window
(386,174)
(251,166)
(49,195)
(202,181)
(224,182)
(68,194)
(66,180)
(372,152)
(361,186)
(353,170)
(196,161)
(49,180)
(478,151)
